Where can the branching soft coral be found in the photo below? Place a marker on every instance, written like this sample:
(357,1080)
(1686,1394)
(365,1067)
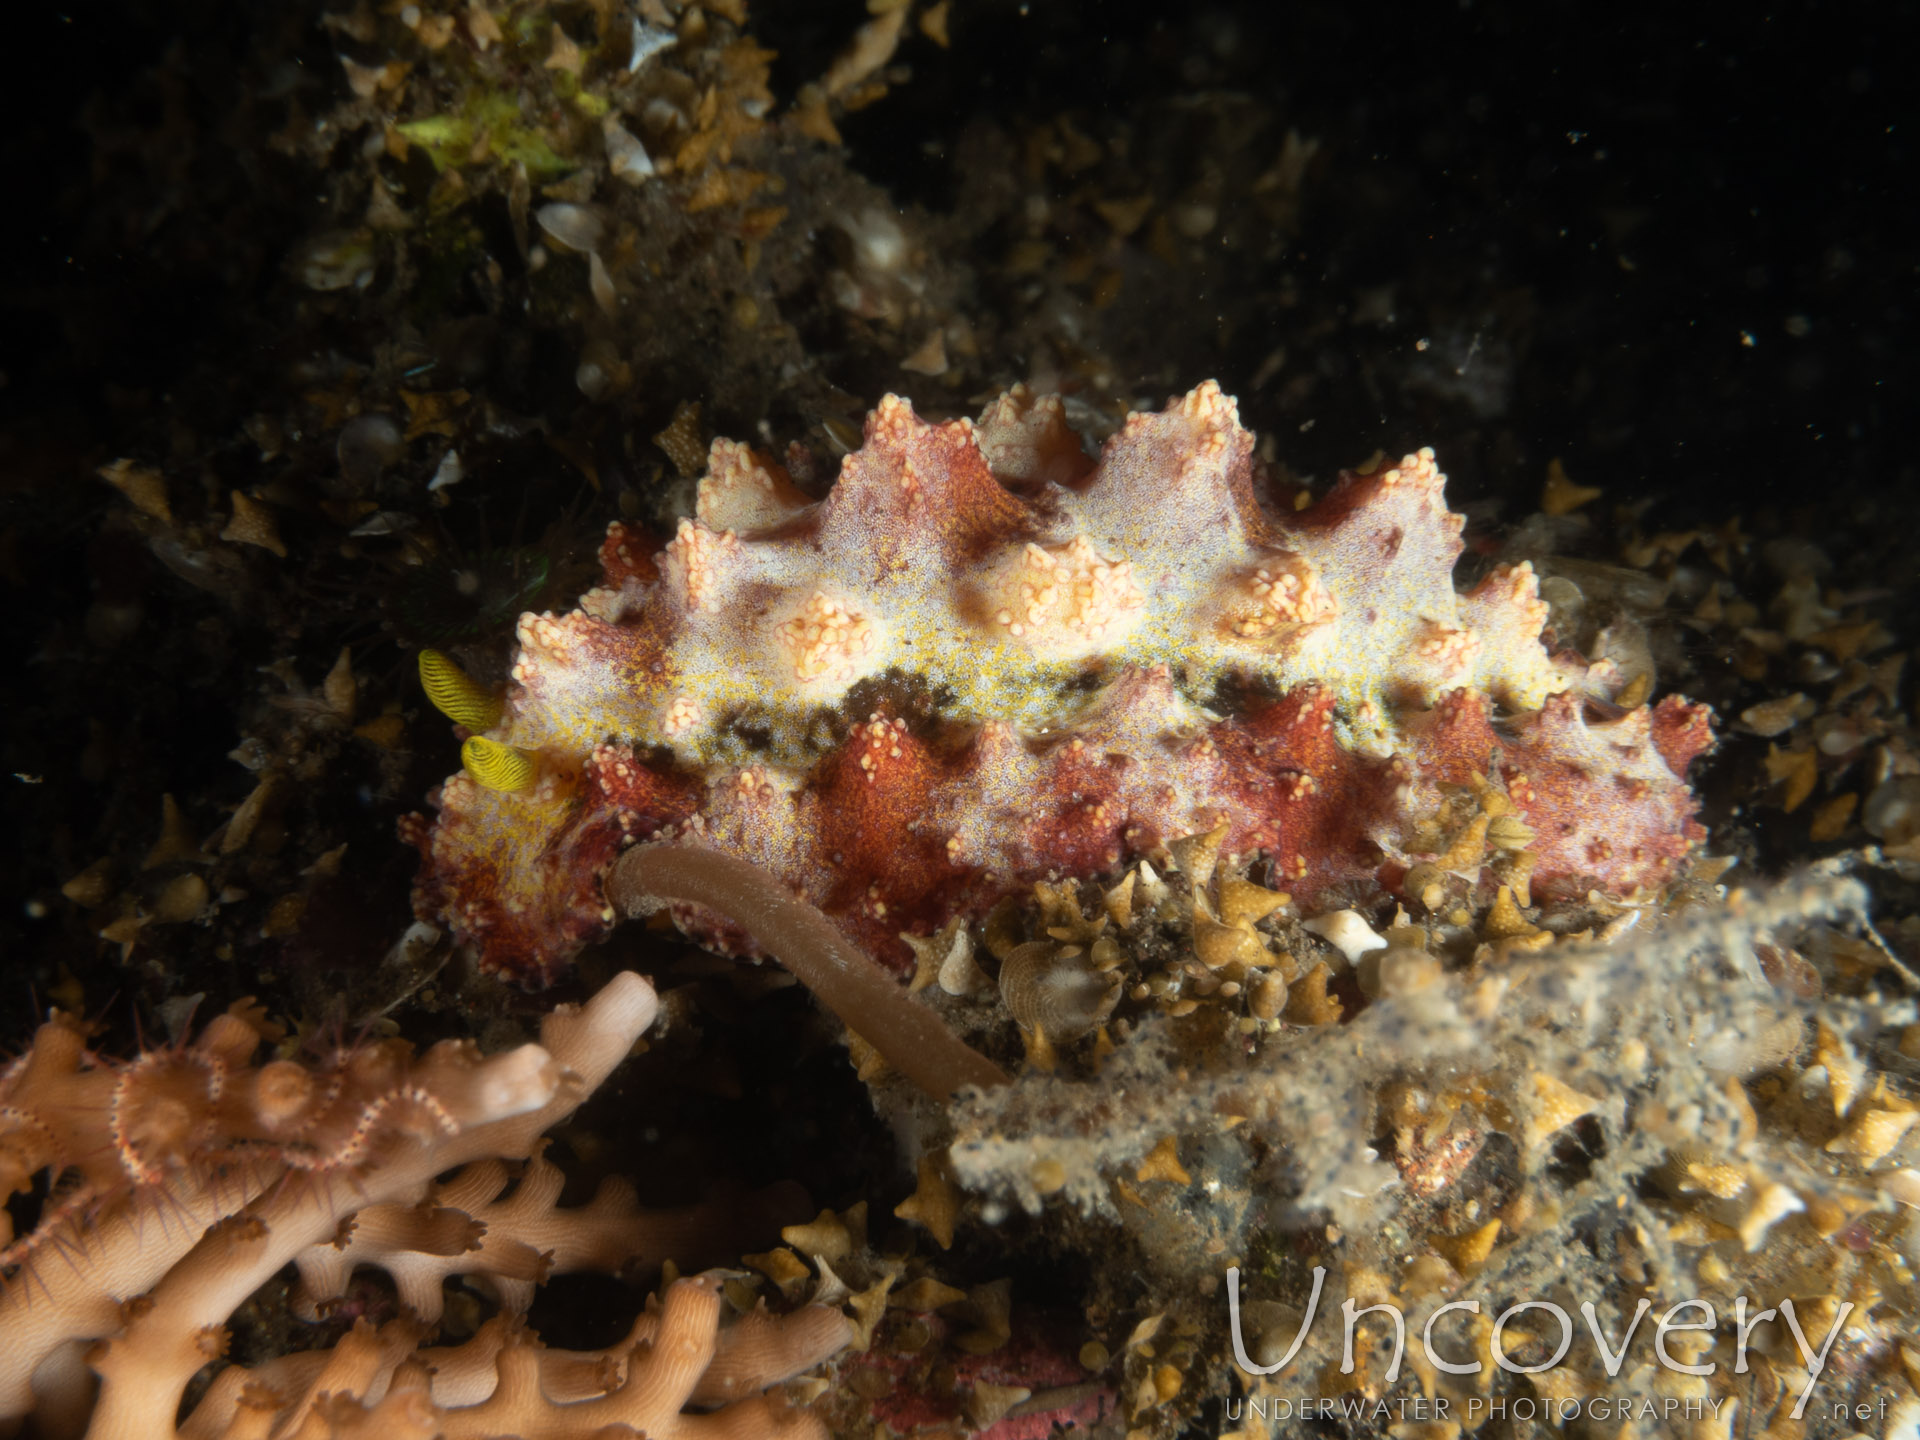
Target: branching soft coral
(184,1180)
(145,1158)
(502,1383)
(511,1234)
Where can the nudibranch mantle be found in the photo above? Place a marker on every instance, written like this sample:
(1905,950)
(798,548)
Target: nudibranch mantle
(985,658)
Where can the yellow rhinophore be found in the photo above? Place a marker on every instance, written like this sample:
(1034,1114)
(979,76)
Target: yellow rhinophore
(456,694)
(497,766)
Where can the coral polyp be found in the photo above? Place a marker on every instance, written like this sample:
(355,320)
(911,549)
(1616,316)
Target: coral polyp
(985,658)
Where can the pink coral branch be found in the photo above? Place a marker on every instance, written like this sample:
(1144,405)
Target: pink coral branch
(501,1105)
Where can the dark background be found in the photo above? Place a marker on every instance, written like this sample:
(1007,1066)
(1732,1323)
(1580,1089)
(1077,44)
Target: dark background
(1671,246)
(1704,205)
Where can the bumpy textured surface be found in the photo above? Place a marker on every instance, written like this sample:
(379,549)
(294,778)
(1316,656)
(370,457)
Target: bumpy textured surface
(985,658)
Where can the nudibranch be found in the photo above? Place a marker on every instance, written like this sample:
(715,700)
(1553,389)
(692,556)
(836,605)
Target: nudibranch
(986,658)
